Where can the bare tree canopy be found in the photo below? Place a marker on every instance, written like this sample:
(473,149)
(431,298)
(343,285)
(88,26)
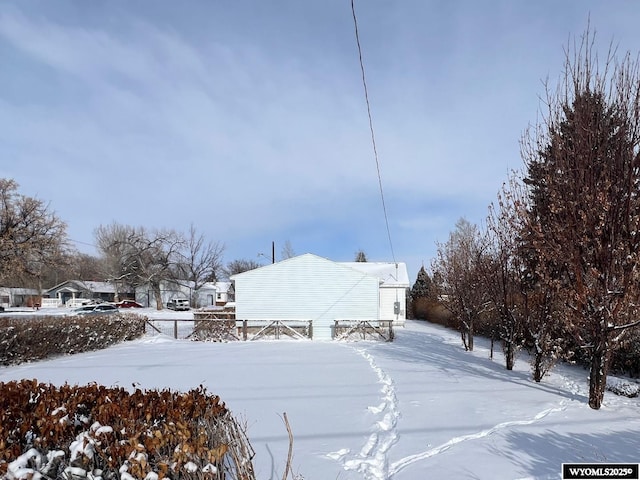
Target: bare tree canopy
(503,271)
(287,251)
(31,236)
(584,173)
(137,256)
(239,266)
(458,265)
(199,261)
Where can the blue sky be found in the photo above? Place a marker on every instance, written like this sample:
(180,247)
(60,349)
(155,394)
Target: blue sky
(247,118)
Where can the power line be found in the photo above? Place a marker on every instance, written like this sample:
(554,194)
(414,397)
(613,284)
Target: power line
(373,137)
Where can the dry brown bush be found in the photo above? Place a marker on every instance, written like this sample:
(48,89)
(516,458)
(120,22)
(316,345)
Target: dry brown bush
(31,338)
(171,435)
(433,311)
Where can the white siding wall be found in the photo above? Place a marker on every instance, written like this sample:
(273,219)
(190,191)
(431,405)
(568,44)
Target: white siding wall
(388,297)
(307,287)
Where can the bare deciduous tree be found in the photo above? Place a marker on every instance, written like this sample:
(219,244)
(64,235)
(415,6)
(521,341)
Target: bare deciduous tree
(113,242)
(502,269)
(287,251)
(199,261)
(140,256)
(457,267)
(239,266)
(31,236)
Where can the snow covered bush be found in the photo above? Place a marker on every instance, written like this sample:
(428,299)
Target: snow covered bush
(622,387)
(99,433)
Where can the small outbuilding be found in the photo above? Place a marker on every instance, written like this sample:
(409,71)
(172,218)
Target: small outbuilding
(315,289)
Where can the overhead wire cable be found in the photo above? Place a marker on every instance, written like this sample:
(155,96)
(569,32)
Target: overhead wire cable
(373,137)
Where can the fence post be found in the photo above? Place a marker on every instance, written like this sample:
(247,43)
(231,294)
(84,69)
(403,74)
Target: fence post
(175,329)
(244,330)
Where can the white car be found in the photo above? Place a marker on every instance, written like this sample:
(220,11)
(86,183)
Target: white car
(101,308)
(178,304)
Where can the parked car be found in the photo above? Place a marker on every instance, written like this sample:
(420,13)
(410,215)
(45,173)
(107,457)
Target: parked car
(128,304)
(178,304)
(100,309)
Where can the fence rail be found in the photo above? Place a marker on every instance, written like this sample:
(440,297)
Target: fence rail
(375,329)
(225,328)
(50,302)
(229,329)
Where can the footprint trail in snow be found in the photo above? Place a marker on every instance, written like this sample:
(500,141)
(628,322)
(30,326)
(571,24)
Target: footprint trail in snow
(411,459)
(372,461)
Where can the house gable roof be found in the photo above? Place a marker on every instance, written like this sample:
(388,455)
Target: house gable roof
(389,274)
(86,286)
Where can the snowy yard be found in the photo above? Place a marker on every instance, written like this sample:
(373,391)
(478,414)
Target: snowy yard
(417,408)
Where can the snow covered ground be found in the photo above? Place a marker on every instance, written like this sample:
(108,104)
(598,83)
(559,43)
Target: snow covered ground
(417,408)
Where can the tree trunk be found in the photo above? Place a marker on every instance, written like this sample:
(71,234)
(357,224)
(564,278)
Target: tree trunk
(470,334)
(158,295)
(598,371)
(509,354)
(537,366)
(463,335)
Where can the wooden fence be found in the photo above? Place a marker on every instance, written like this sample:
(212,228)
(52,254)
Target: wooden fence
(363,329)
(222,327)
(230,329)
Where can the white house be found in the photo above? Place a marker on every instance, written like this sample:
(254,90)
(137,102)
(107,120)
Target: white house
(77,290)
(208,294)
(18,297)
(170,290)
(309,287)
(394,282)
(225,293)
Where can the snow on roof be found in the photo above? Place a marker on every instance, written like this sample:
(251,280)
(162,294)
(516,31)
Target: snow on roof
(78,285)
(19,291)
(390,274)
(101,287)
(223,287)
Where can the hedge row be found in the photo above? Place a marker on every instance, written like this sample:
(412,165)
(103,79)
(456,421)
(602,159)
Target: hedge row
(24,339)
(95,432)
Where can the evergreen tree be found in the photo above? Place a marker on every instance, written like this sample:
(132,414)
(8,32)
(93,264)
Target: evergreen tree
(423,286)
(361,256)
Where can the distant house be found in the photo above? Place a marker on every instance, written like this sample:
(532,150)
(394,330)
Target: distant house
(169,290)
(312,288)
(394,282)
(209,294)
(19,297)
(78,290)
(225,293)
